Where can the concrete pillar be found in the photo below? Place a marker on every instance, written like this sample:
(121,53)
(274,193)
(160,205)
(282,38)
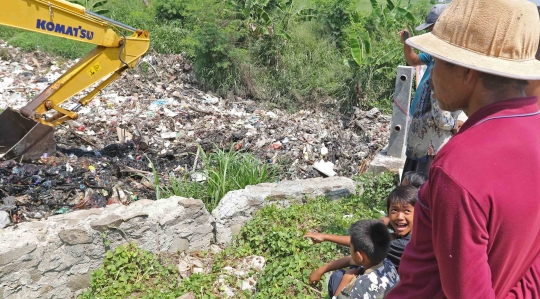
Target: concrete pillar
(400,112)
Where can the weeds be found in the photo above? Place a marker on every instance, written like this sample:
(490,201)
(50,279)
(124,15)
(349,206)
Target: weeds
(94,6)
(274,233)
(4,55)
(155,176)
(376,190)
(223,171)
(128,270)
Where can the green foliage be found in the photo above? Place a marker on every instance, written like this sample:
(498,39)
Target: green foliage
(223,171)
(274,232)
(93,5)
(4,55)
(129,270)
(185,187)
(292,53)
(307,70)
(376,190)
(360,50)
(170,9)
(337,15)
(377,51)
(277,234)
(155,176)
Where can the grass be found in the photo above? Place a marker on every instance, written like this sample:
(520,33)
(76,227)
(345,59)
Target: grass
(313,65)
(222,171)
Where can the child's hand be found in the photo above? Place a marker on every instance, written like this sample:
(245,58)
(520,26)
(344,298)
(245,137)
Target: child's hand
(315,276)
(315,237)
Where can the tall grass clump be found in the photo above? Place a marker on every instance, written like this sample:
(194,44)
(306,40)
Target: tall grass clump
(222,171)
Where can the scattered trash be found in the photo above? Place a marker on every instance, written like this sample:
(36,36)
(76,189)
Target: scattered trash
(325,167)
(4,219)
(164,118)
(198,177)
(324,151)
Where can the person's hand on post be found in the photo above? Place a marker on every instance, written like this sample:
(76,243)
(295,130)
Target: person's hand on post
(404,34)
(458,126)
(315,237)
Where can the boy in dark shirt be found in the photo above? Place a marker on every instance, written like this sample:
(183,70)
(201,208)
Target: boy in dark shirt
(370,242)
(400,206)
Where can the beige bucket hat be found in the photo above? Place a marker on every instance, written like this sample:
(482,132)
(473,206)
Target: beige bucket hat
(498,37)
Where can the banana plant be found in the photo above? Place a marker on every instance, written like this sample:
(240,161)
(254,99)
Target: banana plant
(392,11)
(257,15)
(361,51)
(93,6)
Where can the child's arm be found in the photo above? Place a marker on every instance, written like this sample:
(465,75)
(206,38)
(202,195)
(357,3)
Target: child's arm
(318,238)
(343,262)
(347,278)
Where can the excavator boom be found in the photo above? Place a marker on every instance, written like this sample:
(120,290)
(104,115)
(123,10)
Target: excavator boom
(114,53)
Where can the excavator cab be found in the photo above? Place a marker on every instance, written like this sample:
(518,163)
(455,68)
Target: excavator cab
(27,134)
(24,139)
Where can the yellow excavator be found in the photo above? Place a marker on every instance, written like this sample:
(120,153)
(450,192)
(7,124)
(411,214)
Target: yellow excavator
(28,134)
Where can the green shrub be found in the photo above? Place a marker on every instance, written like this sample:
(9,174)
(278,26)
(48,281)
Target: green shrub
(129,270)
(94,6)
(377,50)
(169,9)
(308,70)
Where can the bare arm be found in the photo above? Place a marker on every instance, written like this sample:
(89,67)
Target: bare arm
(335,265)
(347,278)
(410,56)
(318,238)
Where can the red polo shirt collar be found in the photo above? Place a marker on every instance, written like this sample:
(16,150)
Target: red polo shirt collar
(510,108)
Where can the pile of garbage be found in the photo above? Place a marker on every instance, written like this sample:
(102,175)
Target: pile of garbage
(155,118)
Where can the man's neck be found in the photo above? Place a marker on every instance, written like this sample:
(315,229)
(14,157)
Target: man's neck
(483,97)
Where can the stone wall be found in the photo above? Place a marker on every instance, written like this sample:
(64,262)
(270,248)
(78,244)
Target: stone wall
(238,206)
(54,258)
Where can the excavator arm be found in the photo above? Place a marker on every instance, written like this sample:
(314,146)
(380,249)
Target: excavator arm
(114,53)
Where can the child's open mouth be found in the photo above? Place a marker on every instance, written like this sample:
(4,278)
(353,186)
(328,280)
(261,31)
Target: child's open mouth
(401,226)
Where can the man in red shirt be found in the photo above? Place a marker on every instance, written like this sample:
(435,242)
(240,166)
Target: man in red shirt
(476,227)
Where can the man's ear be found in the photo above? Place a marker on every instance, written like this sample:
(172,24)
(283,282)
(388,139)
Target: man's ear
(470,76)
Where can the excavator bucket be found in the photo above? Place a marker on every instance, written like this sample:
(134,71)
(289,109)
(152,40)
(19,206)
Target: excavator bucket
(24,139)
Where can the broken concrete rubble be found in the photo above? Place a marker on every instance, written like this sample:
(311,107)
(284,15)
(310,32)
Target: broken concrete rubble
(382,163)
(241,272)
